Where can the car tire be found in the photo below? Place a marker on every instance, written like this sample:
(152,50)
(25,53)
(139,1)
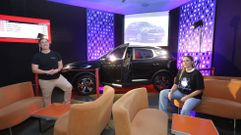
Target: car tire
(162,80)
(85,85)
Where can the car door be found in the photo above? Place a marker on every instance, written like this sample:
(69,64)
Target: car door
(126,67)
(142,64)
(112,66)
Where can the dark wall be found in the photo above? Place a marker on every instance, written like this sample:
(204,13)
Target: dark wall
(173,31)
(68,31)
(227,39)
(119,30)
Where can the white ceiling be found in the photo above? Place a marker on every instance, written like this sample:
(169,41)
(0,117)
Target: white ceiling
(126,6)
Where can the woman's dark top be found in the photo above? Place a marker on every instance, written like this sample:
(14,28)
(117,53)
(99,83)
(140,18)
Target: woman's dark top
(189,82)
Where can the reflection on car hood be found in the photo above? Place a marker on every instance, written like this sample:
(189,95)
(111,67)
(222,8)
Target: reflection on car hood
(82,65)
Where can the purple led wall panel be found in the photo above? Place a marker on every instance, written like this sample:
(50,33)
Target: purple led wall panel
(100,33)
(197,42)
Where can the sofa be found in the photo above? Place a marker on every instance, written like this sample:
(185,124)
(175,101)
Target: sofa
(221,97)
(89,118)
(132,115)
(17,103)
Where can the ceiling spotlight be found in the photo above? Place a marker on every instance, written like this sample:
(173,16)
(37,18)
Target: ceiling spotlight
(197,24)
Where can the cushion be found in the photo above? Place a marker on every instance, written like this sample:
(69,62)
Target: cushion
(149,122)
(19,111)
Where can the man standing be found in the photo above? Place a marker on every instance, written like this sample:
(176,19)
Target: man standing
(47,64)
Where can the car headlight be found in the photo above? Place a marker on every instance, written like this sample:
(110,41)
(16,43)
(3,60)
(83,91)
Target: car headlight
(87,66)
(113,58)
(66,67)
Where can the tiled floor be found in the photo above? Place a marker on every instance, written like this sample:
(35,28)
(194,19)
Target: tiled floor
(31,126)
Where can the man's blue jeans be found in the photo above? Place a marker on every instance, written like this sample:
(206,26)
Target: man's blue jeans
(188,106)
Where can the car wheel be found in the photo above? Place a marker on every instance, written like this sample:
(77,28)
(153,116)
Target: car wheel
(162,81)
(85,85)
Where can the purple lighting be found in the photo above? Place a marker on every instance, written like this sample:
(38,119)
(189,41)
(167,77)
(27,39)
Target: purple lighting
(197,42)
(100,33)
(126,7)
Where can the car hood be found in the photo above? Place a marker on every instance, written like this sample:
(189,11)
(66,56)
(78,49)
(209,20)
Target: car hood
(82,65)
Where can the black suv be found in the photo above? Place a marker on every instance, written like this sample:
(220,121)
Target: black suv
(124,66)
